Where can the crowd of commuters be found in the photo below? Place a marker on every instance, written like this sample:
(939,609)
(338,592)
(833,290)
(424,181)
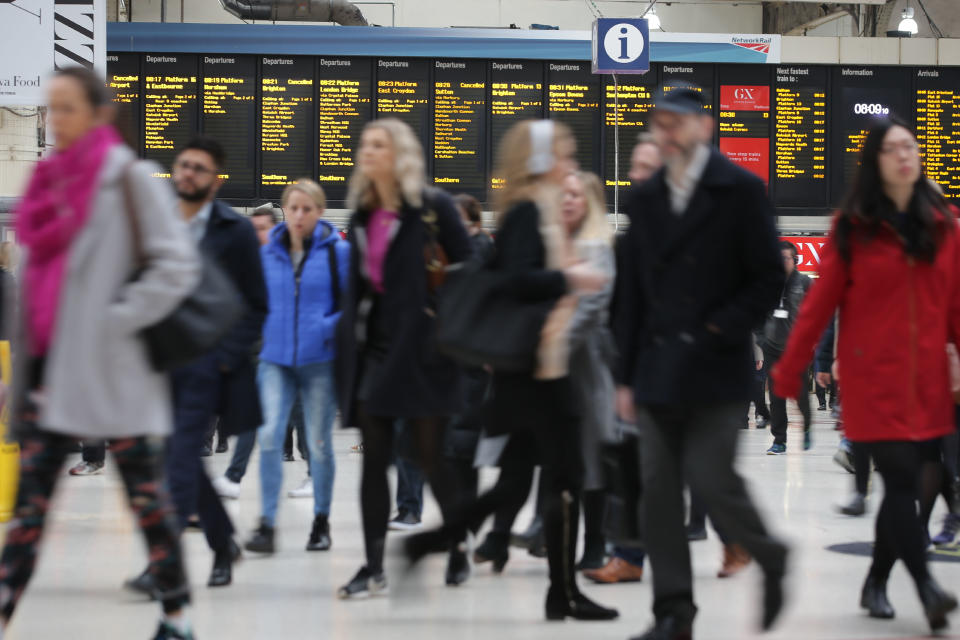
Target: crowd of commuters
(656,340)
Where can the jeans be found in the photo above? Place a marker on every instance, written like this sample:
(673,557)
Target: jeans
(279,386)
(633,555)
(242,450)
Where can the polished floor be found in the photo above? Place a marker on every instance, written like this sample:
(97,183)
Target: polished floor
(91,546)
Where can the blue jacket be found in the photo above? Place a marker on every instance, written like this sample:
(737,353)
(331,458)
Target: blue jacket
(302,321)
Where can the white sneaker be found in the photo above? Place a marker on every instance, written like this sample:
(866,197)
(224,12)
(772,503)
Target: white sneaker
(226,488)
(305,490)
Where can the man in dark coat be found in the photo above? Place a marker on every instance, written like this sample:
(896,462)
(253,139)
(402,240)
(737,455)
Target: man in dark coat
(699,269)
(222,382)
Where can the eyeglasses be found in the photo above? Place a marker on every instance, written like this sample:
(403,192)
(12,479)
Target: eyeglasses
(196,168)
(908,147)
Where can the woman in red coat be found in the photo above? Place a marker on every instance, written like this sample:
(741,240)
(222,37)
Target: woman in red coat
(892,267)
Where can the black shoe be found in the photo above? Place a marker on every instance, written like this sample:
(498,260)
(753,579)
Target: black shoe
(206,452)
(856,507)
(532,539)
(319,534)
(578,607)
(873,598)
(288,456)
(262,539)
(493,549)
(363,585)
(937,603)
(194,524)
(762,422)
(167,632)
(822,407)
(772,595)
(405,521)
(458,567)
(222,573)
(419,545)
(593,558)
(142,584)
(696,533)
(668,629)
(222,446)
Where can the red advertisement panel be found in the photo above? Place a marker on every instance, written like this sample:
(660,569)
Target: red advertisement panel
(744,98)
(753,154)
(810,248)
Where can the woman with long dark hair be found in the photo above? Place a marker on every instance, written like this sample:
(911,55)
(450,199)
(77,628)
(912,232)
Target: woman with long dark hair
(892,267)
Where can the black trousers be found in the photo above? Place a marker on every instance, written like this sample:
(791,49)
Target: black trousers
(696,446)
(778,406)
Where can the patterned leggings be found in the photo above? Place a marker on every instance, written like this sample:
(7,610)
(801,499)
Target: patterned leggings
(41,459)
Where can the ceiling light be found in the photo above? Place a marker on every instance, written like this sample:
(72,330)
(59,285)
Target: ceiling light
(908,24)
(653,20)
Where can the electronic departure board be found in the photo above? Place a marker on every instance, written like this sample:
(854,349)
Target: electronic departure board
(516,93)
(123,78)
(169,106)
(800,136)
(459,126)
(286,122)
(698,75)
(344,106)
(629,101)
(229,114)
(744,118)
(403,92)
(938,126)
(860,96)
(573,97)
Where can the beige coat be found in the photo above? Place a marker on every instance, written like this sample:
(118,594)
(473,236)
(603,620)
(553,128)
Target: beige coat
(97,381)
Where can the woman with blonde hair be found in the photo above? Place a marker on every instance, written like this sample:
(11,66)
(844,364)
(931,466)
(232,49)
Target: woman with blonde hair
(388,368)
(305,267)
(538,407)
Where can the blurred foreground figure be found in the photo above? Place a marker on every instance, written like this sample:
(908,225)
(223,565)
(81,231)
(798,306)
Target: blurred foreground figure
(893,254)
(699,269)
(83,313)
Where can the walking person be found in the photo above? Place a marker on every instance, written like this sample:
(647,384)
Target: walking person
(388,367)
(221,382)
(538,407)
(306,265)
(893,253)
(83,313)
(700,270)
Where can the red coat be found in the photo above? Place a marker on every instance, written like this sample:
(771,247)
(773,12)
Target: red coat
(897,315)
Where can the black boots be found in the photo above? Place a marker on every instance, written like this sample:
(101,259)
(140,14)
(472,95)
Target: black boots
(458,566)
(493,549)
(532,539)
(594,544)
(222,573)
(937,603)
(262,539)
(668,628)
(873,598)
(577,606)
(319,534)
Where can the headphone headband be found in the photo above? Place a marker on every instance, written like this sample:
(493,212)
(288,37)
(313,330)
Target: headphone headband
(541,158)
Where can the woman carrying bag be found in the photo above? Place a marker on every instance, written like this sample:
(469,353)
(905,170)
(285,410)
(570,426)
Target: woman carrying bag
(82,312)
(536,265)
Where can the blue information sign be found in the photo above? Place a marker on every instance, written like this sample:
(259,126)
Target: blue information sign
(621,45)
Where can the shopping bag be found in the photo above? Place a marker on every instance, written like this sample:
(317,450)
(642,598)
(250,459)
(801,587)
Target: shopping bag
(9,451)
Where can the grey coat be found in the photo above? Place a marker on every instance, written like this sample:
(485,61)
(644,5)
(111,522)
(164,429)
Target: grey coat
(97,380)
(591,359)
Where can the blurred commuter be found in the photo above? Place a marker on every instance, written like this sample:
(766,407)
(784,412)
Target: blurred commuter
(700,269)
(388,368)
(539,407)
(306,265)
(222,382)
(93,456)
(893,253)
(83,313)
(776,331)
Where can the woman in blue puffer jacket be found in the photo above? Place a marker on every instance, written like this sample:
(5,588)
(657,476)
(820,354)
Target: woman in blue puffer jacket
(305,264)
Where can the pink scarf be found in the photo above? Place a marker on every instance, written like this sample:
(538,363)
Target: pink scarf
(51,214)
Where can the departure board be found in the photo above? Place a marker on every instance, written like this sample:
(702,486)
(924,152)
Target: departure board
(344,105)
(699,75)
(573,97)
(286,122)
(938,126)
(459,126)
(744,117)
(516,93)
(629,101)
(403,92)
(860,96)
(800,137)
(169,106)
(123,78)
(229,114)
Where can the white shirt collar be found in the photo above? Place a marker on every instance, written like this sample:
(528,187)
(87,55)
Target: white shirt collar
(681,194)
(198,223)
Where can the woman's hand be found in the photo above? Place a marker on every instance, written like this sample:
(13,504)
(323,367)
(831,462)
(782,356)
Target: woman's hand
(626,409)
(582,278)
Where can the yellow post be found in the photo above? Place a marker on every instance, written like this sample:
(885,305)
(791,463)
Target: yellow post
(9,452)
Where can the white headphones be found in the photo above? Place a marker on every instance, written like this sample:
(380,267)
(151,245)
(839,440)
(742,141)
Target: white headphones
(541,157)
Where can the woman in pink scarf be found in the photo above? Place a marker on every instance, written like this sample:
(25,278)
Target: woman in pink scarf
(81,363)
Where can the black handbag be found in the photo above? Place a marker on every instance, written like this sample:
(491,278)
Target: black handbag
(623,517)
(479,324)
(202,319)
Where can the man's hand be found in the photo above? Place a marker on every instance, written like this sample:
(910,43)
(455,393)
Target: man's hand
(823,379)
(835,370)
(626,409)
(759,365)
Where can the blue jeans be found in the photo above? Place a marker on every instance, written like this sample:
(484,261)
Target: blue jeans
(242,450)
(409,476)
(279,386)
(633,555)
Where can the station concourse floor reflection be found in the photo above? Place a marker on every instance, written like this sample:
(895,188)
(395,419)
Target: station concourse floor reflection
(91,546)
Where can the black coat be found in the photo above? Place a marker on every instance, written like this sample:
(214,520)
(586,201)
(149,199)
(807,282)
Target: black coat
(230,374)
(413,379)
(717,264)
